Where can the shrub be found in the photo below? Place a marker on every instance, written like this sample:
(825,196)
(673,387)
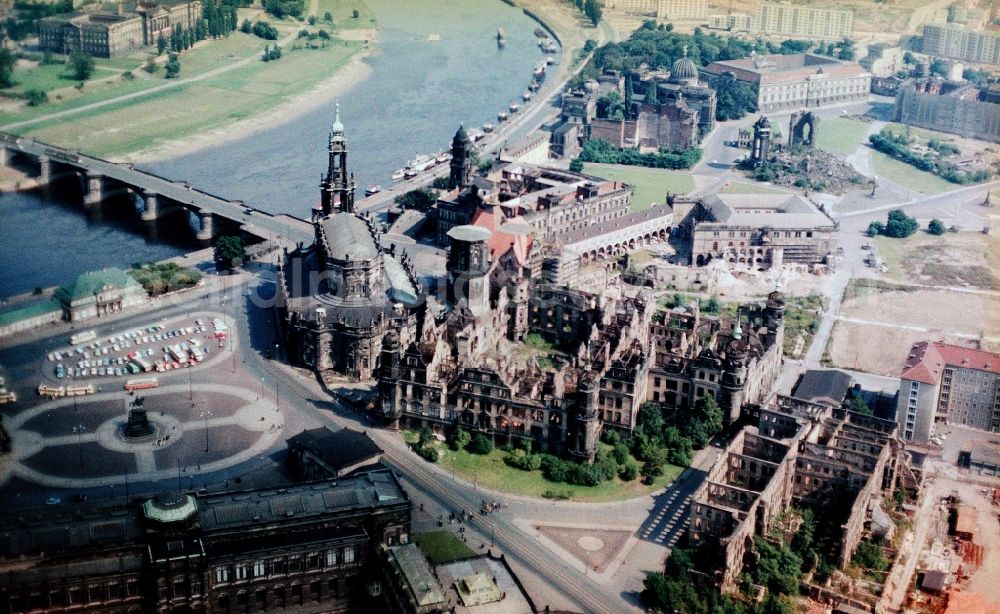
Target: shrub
(525,461)
(560,495)
(35,97)
(629,471)
(481,444)
(246,27)
(328,16)
(459,439)
(899,225)
(936,227)
(264,30)
(428,453)
(553,468)
(875,229)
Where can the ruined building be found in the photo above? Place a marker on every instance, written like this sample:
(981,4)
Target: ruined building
(734,360)
(836,462)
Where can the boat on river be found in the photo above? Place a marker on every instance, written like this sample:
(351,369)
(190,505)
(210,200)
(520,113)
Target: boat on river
(373,189)
(502,116)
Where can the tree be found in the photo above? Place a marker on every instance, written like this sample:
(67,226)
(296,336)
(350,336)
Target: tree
(908,58)
(481,444)
(228,252)
(875,229)
(576,165)
(173,67)
(312,20)
(7,62)
(426,437)
(651,92)
(611,106)
(35,97)
(246,27)
(81,65)
(858,405)
(899,225)
(420,199)
(459,439)
(593,11)
(939,67)
(936,227)
(175,39)
(161,44)
(629,471)
(328,16)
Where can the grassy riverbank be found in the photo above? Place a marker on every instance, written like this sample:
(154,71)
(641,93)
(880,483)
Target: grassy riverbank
(231,84)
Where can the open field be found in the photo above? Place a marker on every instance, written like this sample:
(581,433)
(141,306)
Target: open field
(908,176)
(882,321)
(841,135)
(223,94)
(229,96)
(489,471)
(953,259)
(650,185)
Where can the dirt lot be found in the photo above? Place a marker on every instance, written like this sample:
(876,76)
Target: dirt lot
(879,325)
(964,259)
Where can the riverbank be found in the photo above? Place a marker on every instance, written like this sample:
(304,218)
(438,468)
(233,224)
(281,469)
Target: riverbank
(336,85)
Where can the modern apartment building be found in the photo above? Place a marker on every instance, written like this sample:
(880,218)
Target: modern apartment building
(942,383)
(795,20)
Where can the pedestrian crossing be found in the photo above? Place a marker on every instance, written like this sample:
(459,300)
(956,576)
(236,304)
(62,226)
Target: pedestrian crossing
(667,524)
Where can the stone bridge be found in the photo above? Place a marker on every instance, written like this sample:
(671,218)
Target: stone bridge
(158,196)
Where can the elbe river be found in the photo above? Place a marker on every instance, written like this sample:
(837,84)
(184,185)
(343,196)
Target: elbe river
(420,88)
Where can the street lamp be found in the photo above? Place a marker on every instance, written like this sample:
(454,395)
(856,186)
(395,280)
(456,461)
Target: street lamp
(277,400)
(261,388)
(78,431)
(205,415)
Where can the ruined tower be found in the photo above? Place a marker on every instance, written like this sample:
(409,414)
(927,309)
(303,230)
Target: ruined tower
(469,267)
(389,374)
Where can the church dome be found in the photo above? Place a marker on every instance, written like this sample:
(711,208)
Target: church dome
(683,71)
(169,507)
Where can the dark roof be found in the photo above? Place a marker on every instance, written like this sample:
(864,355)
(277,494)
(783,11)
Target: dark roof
(935,580)
(338,449)
(819,385)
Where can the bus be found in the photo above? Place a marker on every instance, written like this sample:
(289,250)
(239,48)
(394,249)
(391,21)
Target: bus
(133,367)
(82,337)
(51,391)
(141,383)
(75,391)
(178,354)
(143,364)
(197,355)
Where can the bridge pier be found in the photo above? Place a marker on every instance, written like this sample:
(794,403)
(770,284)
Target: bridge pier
(44,170)
(207,230)
(151,206)
(5,156)
(94,192)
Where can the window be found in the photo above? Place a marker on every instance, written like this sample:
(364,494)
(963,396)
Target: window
(259,569)
(241,571)
(221,575)
(349,554)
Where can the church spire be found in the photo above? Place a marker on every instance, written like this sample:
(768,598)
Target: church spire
(461,164)
(337,187)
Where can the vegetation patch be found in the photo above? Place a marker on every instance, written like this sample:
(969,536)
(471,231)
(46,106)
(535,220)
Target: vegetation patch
(649,186)
(160,278)
(841,135)
(932,157)
(603,152)
(442,547)
(802,316)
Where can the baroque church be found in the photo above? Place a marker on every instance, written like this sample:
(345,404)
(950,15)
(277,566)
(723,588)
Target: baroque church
(340,295)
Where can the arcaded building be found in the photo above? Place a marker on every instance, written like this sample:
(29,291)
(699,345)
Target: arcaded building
(733,360)
(790,82)
(838,463)
(113,29)
(754,230)
(942,383)
(340,295)
(949,107)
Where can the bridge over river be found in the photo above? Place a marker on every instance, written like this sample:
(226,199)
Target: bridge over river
(159,196)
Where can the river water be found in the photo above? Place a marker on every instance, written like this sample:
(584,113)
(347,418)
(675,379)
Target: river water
(418,92)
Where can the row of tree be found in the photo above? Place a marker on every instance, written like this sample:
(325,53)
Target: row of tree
(601,151)
(590,8)
(896,145)
(898,225)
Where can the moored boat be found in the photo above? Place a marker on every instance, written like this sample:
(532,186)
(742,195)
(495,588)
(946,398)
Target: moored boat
(399,174)
(502,116)
(373,189)
(487,127)
(514,107)
(526,96)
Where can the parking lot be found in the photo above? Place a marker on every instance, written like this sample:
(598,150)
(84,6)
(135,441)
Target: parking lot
(157,347)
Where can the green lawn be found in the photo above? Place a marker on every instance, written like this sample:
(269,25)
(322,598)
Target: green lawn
(650,185)
(442,547)
(343,11)
(841,135)
(906,175)
(489,471)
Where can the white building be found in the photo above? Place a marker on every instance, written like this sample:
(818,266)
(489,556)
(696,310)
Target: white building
(796,20)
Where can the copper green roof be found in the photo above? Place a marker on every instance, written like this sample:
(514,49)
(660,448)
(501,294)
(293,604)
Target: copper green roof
(89,284)
(28,311)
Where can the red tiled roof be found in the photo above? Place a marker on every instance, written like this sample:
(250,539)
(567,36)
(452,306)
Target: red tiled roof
(500,242)
(926,361)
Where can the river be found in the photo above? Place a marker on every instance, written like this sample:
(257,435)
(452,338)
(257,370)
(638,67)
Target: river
(436,65)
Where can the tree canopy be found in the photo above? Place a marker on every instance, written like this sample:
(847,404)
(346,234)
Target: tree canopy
(229,252)
(81,65)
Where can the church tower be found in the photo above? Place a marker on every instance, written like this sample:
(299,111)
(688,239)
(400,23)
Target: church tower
(461,160)
(337,187)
